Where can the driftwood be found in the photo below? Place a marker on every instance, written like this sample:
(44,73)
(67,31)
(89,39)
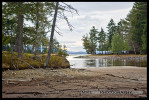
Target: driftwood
(15,81)
(34,93)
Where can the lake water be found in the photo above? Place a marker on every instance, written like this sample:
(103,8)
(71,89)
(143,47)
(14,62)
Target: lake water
(102,62)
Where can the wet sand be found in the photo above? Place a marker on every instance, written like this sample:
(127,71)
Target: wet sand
(101,82)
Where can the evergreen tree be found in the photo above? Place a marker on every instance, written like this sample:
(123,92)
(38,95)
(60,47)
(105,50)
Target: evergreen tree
(111,29)
(90,43)
(126,46)
(93,39)
(144,39)
(86,44)
(29,11)
(137,19)
(117,43)
(101,40)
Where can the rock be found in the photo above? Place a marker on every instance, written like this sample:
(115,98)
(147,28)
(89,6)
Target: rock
(135,88)
(143,96)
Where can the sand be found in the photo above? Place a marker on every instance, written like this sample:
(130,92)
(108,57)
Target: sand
(101,82)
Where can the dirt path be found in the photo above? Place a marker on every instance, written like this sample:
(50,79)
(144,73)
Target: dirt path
(109,82)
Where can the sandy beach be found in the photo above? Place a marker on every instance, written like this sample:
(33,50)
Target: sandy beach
(101,82)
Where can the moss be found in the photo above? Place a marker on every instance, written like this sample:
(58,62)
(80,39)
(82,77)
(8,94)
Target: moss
(28,54)
(4,65)
(57,62)
(12,61)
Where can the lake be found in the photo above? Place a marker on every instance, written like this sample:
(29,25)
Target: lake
(102,62)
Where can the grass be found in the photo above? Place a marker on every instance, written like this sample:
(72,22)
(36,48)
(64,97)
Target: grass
(11,61)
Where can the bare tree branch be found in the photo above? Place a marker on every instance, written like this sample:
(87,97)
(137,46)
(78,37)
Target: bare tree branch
(69,10)
(70,26)
(58,33)
(57,27)
(70,7)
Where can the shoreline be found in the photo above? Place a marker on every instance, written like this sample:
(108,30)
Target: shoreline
(69,83)
(112,67)
(112,56)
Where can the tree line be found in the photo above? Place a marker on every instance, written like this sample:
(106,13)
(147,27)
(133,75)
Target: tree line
(128,36)
(19,35)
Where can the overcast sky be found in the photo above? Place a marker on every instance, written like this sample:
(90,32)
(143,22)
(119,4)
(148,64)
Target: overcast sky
(96,14)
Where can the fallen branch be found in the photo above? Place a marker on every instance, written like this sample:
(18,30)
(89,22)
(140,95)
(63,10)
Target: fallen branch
(17,79)
(35,93)
(121,77)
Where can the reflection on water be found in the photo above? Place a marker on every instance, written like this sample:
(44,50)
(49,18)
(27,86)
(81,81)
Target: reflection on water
(103,62)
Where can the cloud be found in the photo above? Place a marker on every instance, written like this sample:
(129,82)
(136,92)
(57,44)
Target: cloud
(72,46)
(96,14)
(78,48)
(72,43)
(67,41)
(99,6)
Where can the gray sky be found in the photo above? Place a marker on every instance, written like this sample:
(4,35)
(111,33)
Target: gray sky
(96,14)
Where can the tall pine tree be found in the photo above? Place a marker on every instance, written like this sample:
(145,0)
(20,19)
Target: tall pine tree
(137,19)
(111,29)
(101,40)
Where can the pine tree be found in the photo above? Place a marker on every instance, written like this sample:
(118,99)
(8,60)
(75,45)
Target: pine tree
(51,38)
(93,39)
(126,46)
(86,44)
(90,42)
(117,43)
(144,38)
(137,19)
(111,29)
(35,12)
(101,40)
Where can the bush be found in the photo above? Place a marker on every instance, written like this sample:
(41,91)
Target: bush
(62,53)
(57,62)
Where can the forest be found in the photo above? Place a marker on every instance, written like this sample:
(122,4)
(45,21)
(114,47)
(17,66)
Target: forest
(24,31)
(129,35)
(15,17)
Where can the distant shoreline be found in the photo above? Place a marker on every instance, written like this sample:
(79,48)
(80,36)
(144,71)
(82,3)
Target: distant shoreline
(112,56)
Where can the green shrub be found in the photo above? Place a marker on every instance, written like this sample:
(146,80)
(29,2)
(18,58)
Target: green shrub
(62,53)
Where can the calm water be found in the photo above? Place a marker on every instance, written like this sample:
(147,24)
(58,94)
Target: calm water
(102,62)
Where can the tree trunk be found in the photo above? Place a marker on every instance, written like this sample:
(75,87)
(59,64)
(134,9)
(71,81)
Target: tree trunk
(20,31)
(133,47)
(102,49)
(37,27)
(51,37)
(32,49)
(11,44)
(35,51)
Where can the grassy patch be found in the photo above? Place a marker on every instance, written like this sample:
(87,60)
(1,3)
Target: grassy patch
(11,61)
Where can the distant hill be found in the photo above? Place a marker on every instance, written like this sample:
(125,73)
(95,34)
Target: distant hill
(78,52)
